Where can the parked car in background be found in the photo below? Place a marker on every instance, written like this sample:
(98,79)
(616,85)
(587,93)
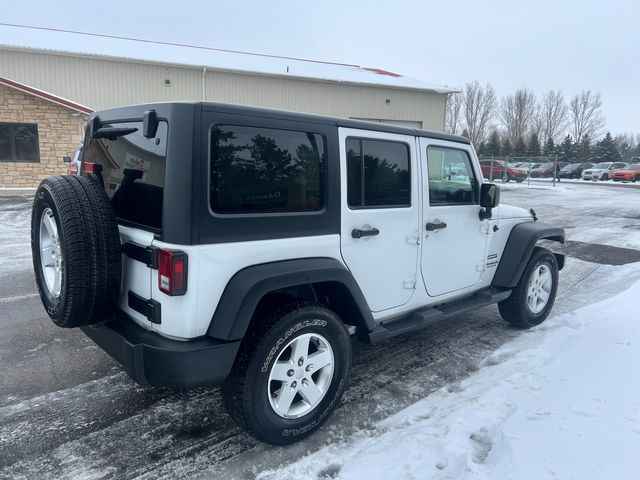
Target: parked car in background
(602,171)
(573,170)
(494,169)
(546,169)
(630,173)
(73,163)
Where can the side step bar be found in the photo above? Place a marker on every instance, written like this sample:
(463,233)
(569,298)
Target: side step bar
(422,318)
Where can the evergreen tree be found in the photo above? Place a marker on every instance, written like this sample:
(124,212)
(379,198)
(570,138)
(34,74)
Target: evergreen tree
(549,147)
(533,148)
(520,148)
(566,150)
(606,150)
(482,148)
(584,149)
(465,133)
(507,149)
(493,145)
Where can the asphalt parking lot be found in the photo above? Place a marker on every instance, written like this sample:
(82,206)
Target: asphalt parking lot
(67,410)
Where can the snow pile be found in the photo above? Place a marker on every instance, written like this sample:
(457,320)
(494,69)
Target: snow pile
(560,401)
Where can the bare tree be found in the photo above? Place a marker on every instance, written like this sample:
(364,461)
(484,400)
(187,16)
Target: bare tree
(518,113)
(627,144)
(585,115)
(553,114)
(538,123)
(479,110)
(454,113)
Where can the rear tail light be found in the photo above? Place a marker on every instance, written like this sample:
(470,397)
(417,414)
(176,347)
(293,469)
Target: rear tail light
(172,272)
(88,167)
(72,168)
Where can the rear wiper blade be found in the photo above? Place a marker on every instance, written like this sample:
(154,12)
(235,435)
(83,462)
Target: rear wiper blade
(111,133)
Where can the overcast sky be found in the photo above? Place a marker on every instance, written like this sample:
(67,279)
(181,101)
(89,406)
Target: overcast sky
(570,45)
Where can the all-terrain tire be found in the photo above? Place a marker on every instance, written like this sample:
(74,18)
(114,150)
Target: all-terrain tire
(516,309)
(90,259)
(246,392)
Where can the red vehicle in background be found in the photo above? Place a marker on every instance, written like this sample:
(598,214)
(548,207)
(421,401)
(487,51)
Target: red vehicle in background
(630,173)
(494,169)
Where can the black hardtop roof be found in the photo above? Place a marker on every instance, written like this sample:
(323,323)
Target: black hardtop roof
(129,112)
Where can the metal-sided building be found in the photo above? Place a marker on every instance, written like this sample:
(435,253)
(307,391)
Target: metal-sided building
(45,95)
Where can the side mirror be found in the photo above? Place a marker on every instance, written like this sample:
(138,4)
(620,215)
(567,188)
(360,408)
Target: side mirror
(66,159)
(150,124)
(489,199)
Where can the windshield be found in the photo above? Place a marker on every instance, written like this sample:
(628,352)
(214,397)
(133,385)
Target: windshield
(632,167)
(131,168)
(603,165)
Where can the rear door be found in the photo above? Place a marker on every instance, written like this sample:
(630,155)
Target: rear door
(380,214)
(131,168)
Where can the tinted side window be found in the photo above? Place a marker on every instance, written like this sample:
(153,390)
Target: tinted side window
(265,170)
(451,177)
(378,174)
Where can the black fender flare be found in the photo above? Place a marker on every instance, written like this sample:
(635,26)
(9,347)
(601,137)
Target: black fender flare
(245,289)
(519,247)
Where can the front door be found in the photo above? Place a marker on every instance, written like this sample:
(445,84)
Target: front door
(455,238)
(380,214)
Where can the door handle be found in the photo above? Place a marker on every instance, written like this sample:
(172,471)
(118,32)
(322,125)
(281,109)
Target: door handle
(435,226)
(357,233)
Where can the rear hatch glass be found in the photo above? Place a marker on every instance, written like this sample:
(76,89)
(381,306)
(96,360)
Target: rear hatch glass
(131,168)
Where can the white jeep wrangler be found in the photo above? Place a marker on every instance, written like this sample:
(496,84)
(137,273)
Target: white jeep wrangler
(217,244)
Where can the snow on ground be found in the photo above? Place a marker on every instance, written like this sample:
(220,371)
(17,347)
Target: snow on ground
(15,214)
(561,401)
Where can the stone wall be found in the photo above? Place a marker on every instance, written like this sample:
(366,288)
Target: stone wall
(58,132)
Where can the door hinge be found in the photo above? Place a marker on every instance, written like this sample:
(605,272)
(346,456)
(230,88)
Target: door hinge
(484,227)
(480,267)
(409,284)
(413,239)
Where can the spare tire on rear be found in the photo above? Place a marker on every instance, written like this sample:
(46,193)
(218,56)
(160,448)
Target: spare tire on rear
(76,250)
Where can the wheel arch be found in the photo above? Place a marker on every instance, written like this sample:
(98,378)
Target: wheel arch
(326,279)
(519,248)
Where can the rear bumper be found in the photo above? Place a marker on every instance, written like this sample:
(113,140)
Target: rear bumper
(151,359)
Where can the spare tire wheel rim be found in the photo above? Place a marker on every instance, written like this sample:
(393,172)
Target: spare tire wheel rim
(51,261)
(301,376)
(539,288)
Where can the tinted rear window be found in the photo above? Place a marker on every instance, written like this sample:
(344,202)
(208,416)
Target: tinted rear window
(266,170)
(133,169)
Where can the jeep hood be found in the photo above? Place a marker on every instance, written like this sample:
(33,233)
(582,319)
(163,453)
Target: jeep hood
(509,211)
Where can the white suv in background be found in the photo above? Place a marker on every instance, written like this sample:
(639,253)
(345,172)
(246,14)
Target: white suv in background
(602,171)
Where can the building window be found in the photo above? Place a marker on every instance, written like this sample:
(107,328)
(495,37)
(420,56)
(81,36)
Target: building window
(378,174)
(19,142)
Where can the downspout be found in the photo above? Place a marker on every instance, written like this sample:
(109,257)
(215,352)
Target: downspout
(444,117)
(204,84)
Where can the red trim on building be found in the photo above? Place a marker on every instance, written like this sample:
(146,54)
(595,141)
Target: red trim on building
(45,95)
